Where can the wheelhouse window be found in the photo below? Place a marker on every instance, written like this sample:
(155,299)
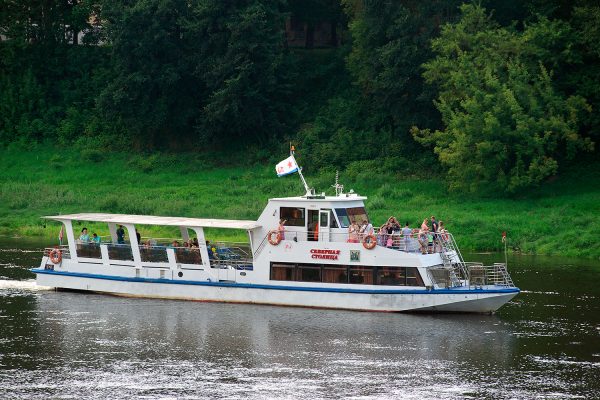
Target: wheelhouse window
(347,216)
(295,216)
(332,221)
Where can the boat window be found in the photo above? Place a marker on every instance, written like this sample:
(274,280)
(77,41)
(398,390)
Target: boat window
(295,216)
(363,275)
(352,214)
(332,221)
(324,221)
(335,274)
(343,217)
(282,272)
(399,276)
(309,273)
(356,274)
(413,278)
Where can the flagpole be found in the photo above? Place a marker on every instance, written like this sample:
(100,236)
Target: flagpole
(308,191)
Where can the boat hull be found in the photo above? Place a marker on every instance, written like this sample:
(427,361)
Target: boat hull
(483,300)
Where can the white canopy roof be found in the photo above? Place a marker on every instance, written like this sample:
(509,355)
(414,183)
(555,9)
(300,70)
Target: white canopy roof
(154,220)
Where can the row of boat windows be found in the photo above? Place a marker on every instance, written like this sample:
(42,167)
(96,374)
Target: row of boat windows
(297,216)
(327,273)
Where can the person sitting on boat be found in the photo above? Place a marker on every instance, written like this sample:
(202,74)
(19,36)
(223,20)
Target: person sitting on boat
(211,255)
(353,232)
(95,238)
(195,243)
(84,237)
(174,244)
(120,235)
(281,229)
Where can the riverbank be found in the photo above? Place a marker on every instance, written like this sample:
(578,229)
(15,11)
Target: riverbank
(560,218)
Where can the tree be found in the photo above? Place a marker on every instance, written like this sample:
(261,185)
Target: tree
(240,63)
(506,126)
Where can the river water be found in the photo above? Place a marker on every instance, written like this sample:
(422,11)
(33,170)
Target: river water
(543,344)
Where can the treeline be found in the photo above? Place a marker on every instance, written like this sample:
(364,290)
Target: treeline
(498,95)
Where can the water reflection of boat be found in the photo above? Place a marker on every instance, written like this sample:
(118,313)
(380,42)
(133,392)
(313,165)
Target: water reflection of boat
(314,262)
(73,325)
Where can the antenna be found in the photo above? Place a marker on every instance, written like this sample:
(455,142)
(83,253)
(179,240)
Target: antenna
(339,189)
(309,191)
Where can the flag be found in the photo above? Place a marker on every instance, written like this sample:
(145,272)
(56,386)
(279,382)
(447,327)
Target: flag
(503,237)
(287,166)
(61,234)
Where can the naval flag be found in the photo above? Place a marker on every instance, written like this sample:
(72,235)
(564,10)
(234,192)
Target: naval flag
(287,166)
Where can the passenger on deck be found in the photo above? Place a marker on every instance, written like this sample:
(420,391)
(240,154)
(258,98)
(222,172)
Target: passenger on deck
(120,235)
(281,228)
(84,237)
(174,244)
(353,232)
(394,226)
(211,255)
(382,235)
(195,243)
(423,240)
(366,229)
(138,236)
(407,233)
(95,238)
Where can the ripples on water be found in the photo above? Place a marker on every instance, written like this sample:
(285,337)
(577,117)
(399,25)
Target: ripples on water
(544,344)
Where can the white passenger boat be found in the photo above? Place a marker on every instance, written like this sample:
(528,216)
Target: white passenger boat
(311,263)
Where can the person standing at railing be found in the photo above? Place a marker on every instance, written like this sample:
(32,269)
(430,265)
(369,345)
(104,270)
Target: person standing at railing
(281,229)
(406,233)
(353,232)
(120,235)
(434,232)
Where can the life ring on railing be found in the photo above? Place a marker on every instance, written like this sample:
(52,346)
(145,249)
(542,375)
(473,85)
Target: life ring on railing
(369,242)
(274,237)
(55,256)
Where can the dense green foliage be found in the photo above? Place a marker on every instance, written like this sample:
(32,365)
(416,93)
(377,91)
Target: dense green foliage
(503,95)
(506,126)
(556,219)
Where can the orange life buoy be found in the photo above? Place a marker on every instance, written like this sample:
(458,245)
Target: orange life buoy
(369,242)
(55,256)
(274,237)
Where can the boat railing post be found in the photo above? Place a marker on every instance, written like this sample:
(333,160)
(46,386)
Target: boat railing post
(202,247)
(71,239)
(171,258)
(135,246)
(104,255)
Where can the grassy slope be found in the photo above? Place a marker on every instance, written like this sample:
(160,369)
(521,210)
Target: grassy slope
(560,218)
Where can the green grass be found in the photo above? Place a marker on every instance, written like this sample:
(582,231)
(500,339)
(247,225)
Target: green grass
(560,218)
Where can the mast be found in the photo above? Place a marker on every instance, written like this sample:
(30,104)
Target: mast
(309,191)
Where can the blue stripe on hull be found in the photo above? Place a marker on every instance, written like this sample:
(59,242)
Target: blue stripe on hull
(273,287)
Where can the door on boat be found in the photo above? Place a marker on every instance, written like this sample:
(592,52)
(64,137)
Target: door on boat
(324,216)
(312,226)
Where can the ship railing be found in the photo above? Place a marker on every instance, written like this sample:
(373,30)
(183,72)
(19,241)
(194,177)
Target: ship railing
(395,241)
(243,264)
(64,249)
(495,274)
